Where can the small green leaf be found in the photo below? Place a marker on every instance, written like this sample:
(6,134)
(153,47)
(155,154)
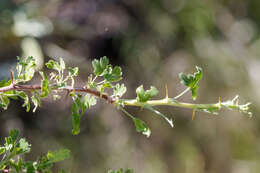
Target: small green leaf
(4,101)
(73,71)
(100,65)
(45,85)
(191,81)
(29,166)
(23,146)
(25,69)
(143,96)
(22,95)
(2,150)
(113,75)
(119,90)
(5,82)
(57,156)
(76,122)
(89,101)
(142,127)
(36,100)
(13,134)
(76,106)
(53,65)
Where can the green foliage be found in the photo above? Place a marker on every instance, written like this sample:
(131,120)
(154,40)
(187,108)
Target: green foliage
(78,109)
(4,101)
(12,150)
(121,171)
(57,156)
(25,69)
(103,68)
(119,90)
(25,97)
(142,127)
(191,81)
(36,100)
(100,66)
(58,79)
(44,85)
(144,96)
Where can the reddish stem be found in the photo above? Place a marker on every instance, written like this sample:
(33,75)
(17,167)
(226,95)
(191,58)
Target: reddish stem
(12,87)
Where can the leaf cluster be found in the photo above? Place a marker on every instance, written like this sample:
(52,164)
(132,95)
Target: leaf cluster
(191,81)
(14,148)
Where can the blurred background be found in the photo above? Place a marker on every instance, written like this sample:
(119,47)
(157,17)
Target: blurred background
(153,41)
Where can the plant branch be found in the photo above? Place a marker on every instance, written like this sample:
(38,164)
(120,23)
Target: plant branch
(211,108)
(129,102)
(171,102)
(17,87)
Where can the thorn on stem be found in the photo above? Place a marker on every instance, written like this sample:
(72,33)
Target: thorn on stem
(12,76)
(166,91)
(193,114)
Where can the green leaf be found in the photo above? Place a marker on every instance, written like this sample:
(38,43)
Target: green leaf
(79,107)
(142,127)
(76,106)
(30,168)
(5,82)
(73,71)
(100,65)
(119,90)
(23,146)
(45,85)
(36,100)
(25,69)
(89,101)
(143,96)
(13,134)
(57,156)
(11,139)
(4,101)
(113,75)
(2,150)
(53,65)
(191,81)
(22,95)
